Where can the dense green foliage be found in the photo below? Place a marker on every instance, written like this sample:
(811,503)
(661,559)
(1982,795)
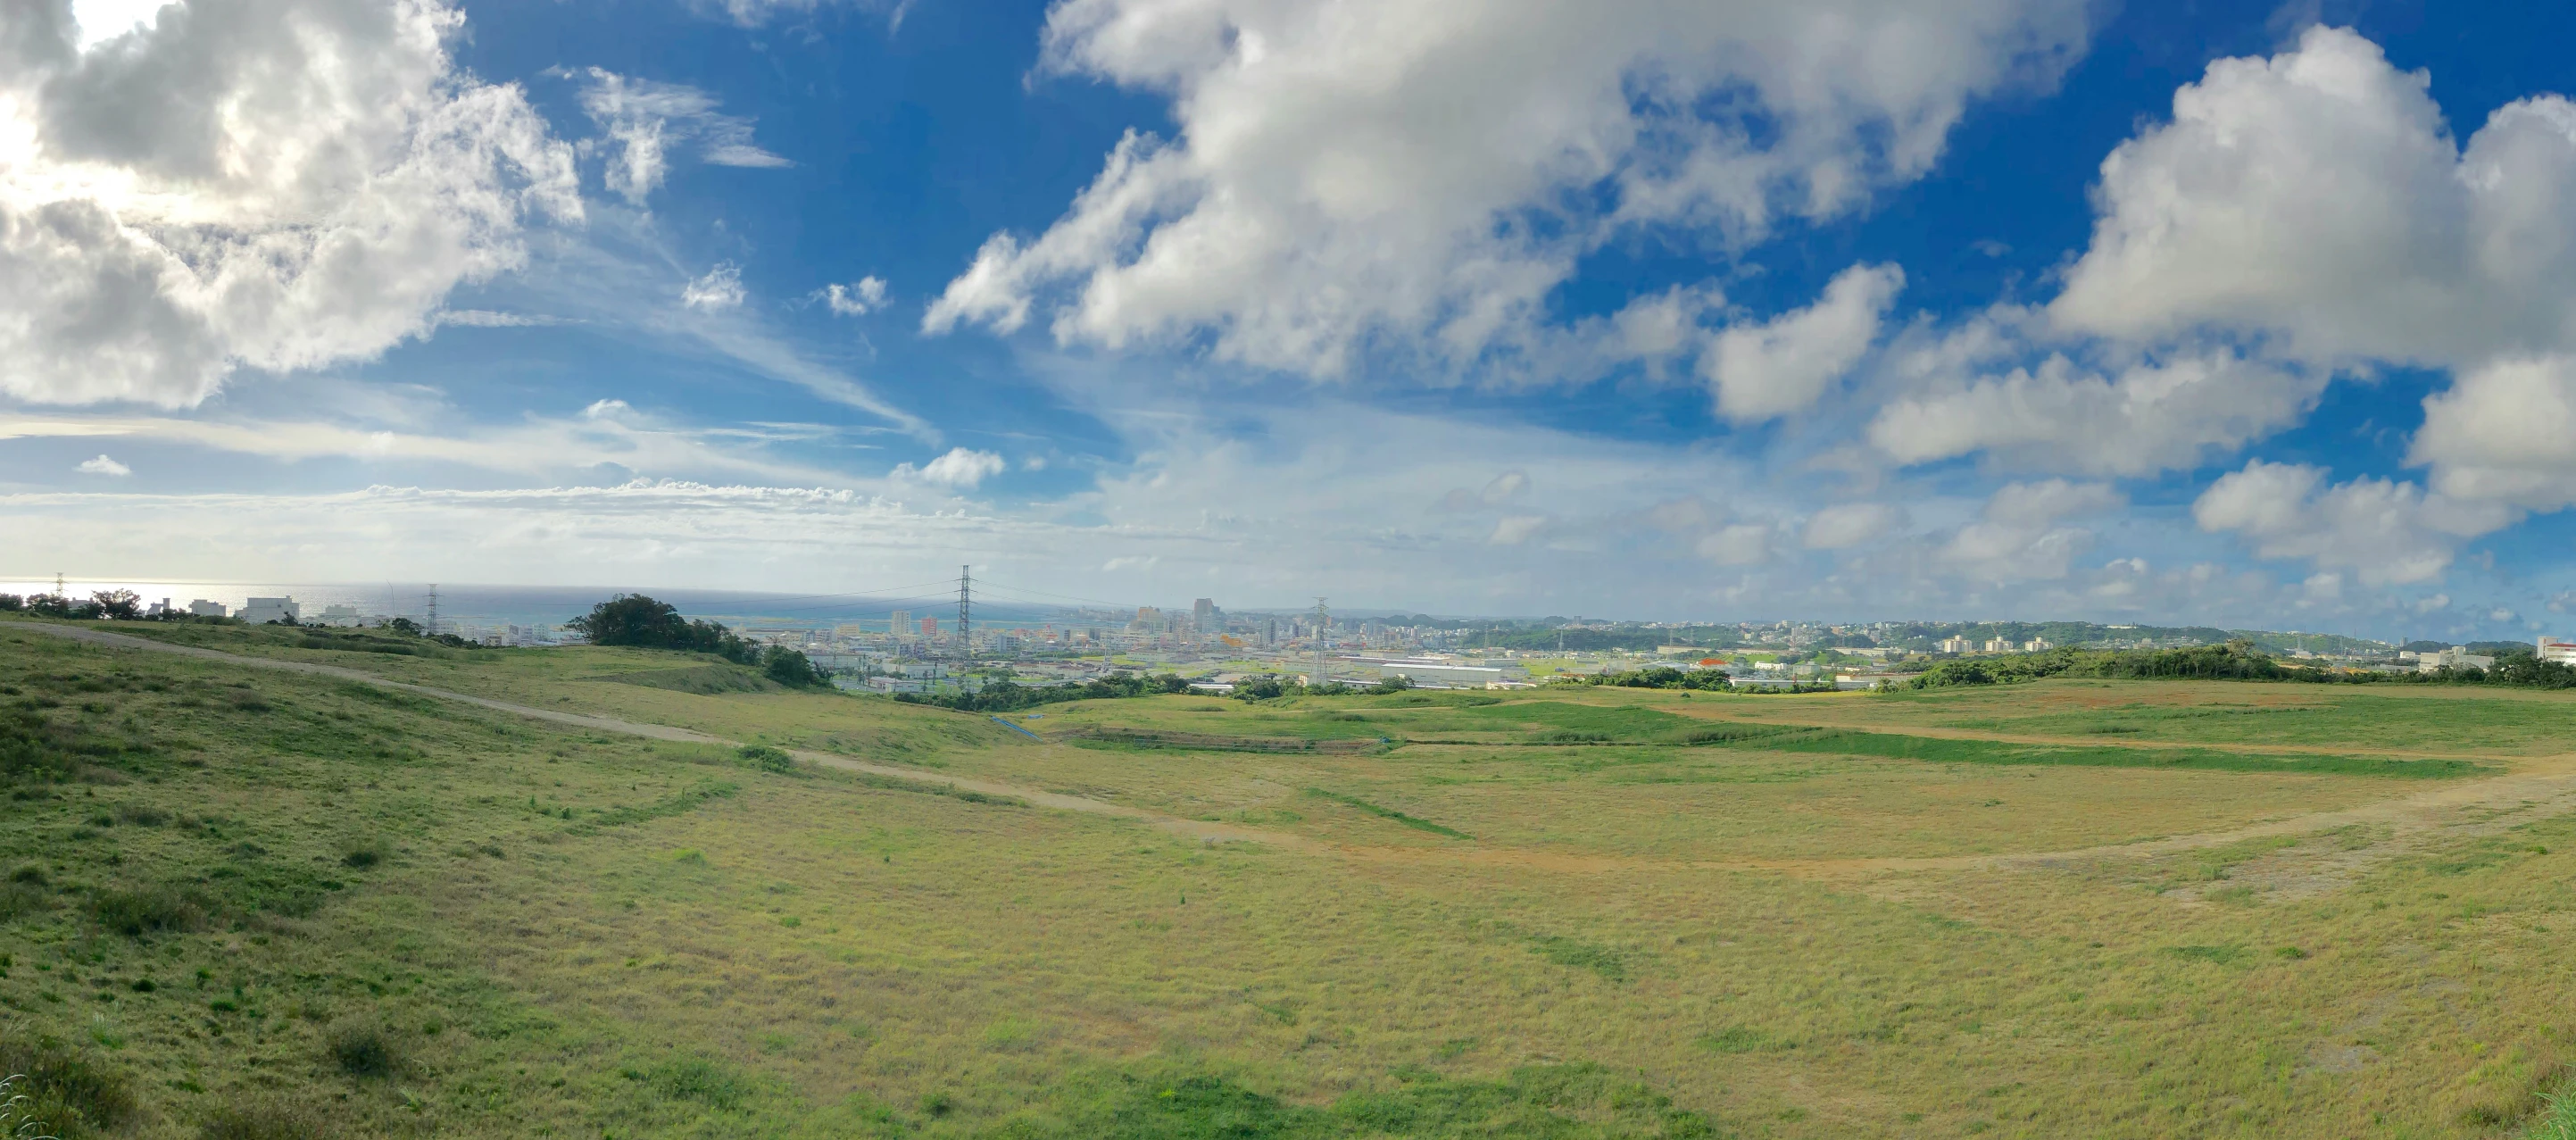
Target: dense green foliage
(2237,660)
(1006,695)
(646,623)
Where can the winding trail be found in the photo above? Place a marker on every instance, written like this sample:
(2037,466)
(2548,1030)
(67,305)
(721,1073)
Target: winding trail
(2545,785)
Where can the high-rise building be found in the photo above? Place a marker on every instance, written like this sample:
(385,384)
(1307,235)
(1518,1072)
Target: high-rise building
(896,621)
(1203,616)
(930,627)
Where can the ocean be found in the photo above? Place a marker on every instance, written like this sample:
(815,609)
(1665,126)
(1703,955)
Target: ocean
(536,605)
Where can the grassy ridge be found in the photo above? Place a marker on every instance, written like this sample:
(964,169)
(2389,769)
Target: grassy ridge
(1414,822)
(1892,746)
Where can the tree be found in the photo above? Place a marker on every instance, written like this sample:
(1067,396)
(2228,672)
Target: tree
(117,605)
(633,619)
(791,668)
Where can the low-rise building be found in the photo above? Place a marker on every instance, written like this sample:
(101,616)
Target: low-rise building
(2552,649)
(203,608)
(261,611)
(2456,657)
(1957,645)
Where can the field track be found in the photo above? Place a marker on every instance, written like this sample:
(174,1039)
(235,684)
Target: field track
(2545,785)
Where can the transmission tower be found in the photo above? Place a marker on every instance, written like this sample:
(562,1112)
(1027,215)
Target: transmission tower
(965,618)
(1323,621)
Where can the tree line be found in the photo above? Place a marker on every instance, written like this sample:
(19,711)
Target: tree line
(645,623)
(2237,660)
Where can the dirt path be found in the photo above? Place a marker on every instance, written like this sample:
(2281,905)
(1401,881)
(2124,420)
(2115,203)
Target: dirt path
(2546,784)
(1201,829)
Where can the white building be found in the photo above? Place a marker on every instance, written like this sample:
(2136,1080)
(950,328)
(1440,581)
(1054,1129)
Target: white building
(1442,674)
(1998,645)
(2552,649)
(2035,645)
(2456,657)
(1957,645)
(262,611)
(204,608)
(339,615)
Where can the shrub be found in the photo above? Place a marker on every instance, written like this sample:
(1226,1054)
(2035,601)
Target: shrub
(363,853)
(768,759)
(695,1078)
(364,1049)
(149,910)
(67,1090)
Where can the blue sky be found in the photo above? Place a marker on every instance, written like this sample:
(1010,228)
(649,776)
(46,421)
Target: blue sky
(1849,309)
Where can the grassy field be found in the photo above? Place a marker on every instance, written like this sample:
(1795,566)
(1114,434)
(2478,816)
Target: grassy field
(240,899)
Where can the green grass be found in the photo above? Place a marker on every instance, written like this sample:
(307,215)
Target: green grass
(1892,746)
(1414,822)
(246,904)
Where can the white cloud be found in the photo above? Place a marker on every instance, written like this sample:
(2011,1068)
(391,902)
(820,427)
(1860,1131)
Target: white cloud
(2316,199)
(1850,524)
(648,120)
(1513,530)
(101,20)
(281,184)
(753,13)
(487,319)
(104,466)
(720,289)
(2387,532)
(1738,544)
(1424,176)
(2146,417)
(2505,432)
(2021,535)
(607,434)
(1784,366)
(960,469)
(857,300)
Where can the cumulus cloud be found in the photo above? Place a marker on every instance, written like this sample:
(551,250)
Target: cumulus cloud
(104,466)
(2023,535)
(960,469)
(1785,365)
(2144,418)
(646,121)
(720,289)
(1424,177)
(1849,524)
(281,184)
(2317,199)
(2387,532)
(1513,530)
(2505,432)
(1737,544)
(857,300)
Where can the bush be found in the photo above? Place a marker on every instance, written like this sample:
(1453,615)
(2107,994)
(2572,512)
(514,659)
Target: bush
(768,759)
(364,1049)
(791,668)
(68,1091)
(695,1078)
(364,853)
(150,910)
